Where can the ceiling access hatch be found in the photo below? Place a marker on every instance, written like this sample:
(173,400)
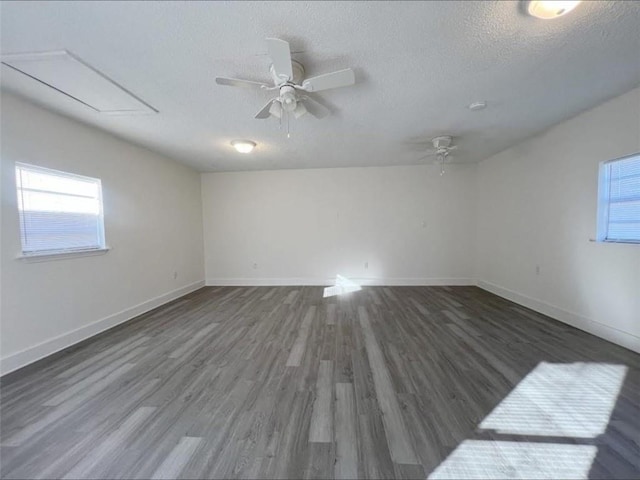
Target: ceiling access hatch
(67,74)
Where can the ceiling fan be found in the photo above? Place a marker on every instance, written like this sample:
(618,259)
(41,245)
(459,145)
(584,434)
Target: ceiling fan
(293,88)
(441,150)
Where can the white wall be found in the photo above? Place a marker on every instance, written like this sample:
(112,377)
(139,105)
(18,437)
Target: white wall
(537,206)
(153,223)
(305,226)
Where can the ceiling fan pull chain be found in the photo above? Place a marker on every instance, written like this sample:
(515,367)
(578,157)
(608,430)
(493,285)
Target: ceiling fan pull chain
(288,134)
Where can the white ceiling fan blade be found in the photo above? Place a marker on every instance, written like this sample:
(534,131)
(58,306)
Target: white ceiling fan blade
(281,57)
(265,111)
(238,82)
(276,109)
(341,78)
(300,110)
(314,108)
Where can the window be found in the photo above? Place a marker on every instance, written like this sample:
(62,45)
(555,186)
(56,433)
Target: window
(619,200)
(59,212)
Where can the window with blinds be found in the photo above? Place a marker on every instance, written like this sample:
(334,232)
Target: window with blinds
(59,212)
(619,200)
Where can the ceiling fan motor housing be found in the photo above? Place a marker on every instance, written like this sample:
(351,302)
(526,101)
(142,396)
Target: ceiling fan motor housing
(443,142)
(298,74)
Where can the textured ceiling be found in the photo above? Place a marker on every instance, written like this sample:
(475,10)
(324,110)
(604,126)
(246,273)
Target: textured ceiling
(417,64)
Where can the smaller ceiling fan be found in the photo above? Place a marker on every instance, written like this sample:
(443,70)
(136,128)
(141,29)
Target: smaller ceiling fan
(441,150)
(293,88)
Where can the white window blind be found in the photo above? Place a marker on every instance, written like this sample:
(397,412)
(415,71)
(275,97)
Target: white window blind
(59,212)
(619,200)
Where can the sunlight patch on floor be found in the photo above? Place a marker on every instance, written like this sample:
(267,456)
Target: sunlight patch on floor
(563,400)
(554,402)
(343,285)
(479,459)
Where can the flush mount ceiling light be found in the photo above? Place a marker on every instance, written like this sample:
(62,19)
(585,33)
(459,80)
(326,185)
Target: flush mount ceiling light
(477,105)
(243,146)
(548,9)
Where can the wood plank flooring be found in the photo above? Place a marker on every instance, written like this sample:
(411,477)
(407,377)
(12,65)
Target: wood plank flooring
(279,382)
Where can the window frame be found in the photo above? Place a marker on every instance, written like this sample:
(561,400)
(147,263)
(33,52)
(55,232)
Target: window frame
(604,203)
(61,253)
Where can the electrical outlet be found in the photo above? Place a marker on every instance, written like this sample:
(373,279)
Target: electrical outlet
(175,275)
(537,269)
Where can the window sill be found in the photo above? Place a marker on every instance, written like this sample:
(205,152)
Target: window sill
(51,256)
(624,242)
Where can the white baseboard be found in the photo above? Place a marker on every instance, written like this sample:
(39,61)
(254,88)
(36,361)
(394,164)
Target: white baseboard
(589,325)
(273,282)
(29,355)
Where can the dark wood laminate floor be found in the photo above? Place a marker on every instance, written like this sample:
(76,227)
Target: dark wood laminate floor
(279,382)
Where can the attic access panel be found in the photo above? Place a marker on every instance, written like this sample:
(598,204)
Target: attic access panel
(67,74)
